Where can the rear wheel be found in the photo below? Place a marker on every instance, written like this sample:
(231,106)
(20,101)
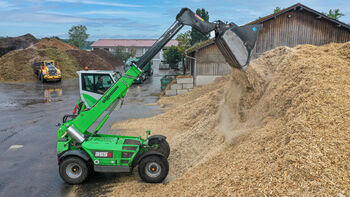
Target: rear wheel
(73,170)
(153,169)
(163,147)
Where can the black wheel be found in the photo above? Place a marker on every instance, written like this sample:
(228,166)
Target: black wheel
(163,147)
(153,169)
(74,170)
(59,80)
(42,79)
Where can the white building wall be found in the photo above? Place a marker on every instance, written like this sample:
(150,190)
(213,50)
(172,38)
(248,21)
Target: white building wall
(139,51)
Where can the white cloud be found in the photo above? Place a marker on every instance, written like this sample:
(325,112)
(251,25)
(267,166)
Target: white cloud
(6,5)
(107,12)
(96,3)
(119,13)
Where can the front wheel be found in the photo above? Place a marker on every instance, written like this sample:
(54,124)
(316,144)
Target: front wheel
(73,170)
(42,79)
(153,169)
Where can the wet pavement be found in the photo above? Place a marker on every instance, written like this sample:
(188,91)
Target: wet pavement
(29,113)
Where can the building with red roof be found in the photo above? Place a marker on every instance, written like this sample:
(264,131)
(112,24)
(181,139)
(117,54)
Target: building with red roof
(139,46)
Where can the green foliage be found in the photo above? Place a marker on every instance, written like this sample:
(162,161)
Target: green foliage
(334,14)
(277,9)
(197,36)
(121,53)
(78,36)
(184,41)
(88,44)
(172,55)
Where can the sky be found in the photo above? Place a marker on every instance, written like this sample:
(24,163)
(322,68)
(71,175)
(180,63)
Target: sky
(137,19)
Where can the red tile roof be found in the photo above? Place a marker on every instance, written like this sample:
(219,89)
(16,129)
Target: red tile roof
(129,43)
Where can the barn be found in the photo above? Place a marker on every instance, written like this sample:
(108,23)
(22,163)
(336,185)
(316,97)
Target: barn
(297,24)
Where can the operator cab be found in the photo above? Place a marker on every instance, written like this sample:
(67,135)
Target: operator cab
(94,83)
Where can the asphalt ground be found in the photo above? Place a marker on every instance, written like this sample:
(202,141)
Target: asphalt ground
(29,113)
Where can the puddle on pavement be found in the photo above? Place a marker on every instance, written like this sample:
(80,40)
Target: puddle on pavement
(6,104)
(31,93)
(49,95)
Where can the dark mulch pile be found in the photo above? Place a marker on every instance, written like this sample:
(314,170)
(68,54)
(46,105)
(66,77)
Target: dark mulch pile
(13,43)
(109,57)
(91,60)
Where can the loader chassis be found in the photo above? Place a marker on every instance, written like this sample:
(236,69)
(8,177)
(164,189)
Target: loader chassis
(47,70)
(82,150)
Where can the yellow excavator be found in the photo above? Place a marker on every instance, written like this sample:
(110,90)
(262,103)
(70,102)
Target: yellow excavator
(47,70)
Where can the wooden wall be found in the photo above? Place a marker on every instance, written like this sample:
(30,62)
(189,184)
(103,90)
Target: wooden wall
(298,27)
(210,61)
(288,29)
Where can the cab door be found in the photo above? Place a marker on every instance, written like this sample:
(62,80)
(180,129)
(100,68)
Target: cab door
(93,86)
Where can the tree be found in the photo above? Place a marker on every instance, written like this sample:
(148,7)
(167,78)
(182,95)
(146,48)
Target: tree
(277,9)
(78,36)
(172,55)
(197,36)
(184,41)
(121,53)
(334,14)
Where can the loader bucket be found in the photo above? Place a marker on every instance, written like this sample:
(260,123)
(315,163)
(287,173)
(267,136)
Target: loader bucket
(237,43)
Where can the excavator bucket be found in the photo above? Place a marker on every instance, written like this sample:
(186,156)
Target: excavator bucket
(236,44)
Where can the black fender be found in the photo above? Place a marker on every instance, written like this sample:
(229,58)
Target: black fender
(77,153)
(155,139)
(139,157)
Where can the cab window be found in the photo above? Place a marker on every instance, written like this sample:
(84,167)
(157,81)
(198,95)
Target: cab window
(96,83)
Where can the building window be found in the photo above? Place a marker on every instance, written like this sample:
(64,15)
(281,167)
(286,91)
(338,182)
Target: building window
(139,52)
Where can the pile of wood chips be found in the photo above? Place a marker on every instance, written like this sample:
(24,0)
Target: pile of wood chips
(285,121)
(53,43)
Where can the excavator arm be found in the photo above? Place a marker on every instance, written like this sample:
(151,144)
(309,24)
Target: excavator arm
(235,43)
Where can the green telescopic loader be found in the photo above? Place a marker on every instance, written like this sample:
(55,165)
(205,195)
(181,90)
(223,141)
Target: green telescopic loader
(81,150)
